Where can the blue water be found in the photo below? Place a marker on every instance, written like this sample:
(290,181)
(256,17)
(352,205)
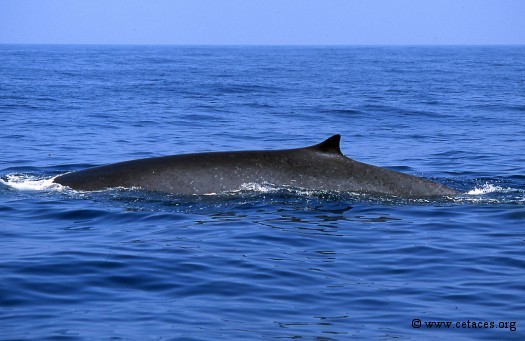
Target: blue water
(263,263)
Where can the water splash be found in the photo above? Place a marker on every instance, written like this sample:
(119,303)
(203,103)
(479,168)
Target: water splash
(25,182)
(488,189)
(490,193)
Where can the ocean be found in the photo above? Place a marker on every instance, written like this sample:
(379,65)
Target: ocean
(262,263)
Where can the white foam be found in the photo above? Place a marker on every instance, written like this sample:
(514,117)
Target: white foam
(257,187)
(488,188)
(24,182)
(267,188)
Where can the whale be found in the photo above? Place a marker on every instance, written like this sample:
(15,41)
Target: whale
(320,167)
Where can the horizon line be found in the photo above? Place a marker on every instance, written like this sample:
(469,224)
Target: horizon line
(270,45)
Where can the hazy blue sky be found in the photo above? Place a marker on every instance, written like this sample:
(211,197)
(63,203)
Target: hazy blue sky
(319,22)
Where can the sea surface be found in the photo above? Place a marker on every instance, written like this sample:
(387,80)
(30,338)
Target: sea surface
(263,263)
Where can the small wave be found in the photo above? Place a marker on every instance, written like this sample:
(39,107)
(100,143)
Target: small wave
(25,182)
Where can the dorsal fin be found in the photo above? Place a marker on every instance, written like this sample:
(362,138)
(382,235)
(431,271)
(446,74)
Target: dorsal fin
(330,145)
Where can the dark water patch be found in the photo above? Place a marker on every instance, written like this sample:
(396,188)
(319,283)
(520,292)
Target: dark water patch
(201,117)
(343,112)
(519,108)
(242,89)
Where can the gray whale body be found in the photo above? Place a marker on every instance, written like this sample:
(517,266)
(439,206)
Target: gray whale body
(321,167)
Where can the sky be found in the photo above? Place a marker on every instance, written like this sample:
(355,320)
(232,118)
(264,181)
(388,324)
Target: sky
(263,22)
